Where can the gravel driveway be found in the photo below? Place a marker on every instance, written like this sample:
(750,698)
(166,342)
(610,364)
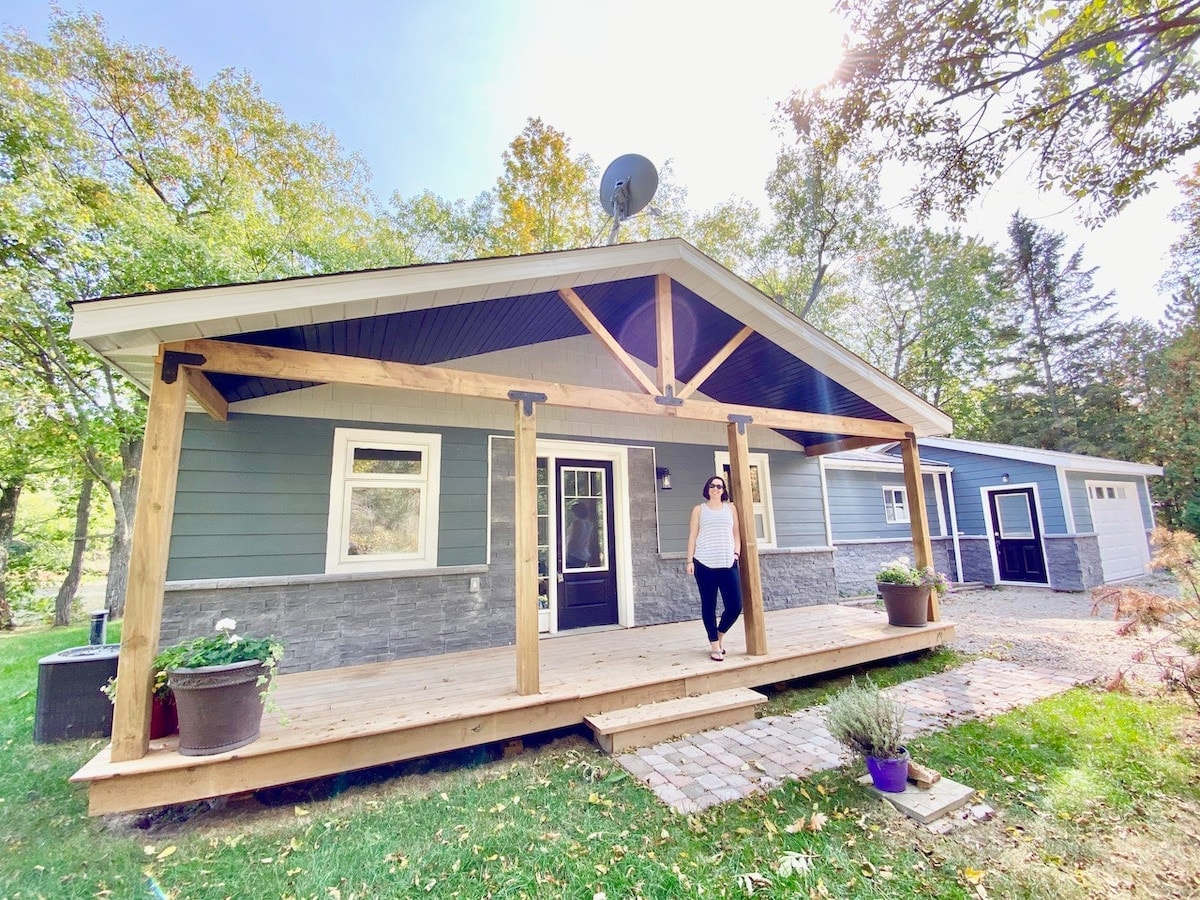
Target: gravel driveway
(1050,628)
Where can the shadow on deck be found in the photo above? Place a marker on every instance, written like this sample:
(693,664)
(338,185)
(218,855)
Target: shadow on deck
(341,720)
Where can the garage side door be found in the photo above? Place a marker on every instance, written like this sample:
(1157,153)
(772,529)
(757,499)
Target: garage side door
(1117,518)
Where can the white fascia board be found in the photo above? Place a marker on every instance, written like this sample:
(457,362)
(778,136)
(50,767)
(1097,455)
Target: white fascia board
(1075,462)
(864,466)
(798,337)
(173,315)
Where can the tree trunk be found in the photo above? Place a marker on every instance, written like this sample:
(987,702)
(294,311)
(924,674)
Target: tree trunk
(123,506)
(66,592)
(9,496)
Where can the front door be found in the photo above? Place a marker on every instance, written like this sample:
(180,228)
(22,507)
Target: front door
(1017,537)
(586,567)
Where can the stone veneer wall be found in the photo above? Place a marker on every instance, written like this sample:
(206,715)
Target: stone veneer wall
(858,561)
(977,559)
(1073,561)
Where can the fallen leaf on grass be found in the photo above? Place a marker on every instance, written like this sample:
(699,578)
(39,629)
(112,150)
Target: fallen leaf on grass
(167,851)
(974,876)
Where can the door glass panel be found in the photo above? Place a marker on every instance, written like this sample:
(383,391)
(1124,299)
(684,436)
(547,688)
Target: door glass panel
(584,519)
(1013,513)
(543,533)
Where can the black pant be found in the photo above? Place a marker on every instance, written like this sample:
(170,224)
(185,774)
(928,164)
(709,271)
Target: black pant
(729,583)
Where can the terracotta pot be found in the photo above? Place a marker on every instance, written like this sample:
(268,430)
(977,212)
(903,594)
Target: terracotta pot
(163,718)
(220,707)
(906,604)
(889,775)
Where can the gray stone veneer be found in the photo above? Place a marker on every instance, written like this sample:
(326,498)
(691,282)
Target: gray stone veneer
(1073,561)
(858,561)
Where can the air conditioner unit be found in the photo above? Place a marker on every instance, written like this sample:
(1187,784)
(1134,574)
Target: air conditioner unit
(70,703)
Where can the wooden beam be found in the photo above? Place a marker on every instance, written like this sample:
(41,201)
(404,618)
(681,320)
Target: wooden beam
(914,486)
(596,327)
(303,365)
(525,525)
(205,394)
(148,566)
(748,565)
(853,443)
(665,328)
(711,366)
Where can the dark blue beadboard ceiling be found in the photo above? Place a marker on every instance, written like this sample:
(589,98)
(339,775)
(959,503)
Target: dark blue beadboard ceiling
(758,373)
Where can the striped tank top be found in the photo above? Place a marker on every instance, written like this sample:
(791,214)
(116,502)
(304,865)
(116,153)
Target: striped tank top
(714,541)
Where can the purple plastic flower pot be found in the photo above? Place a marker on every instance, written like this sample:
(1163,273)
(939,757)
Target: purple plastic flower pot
(889,775)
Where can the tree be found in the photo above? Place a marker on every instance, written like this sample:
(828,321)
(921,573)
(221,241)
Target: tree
(825,203)
(544,200)
(120,173)
(923,313)
(1099,94)
(1054,323)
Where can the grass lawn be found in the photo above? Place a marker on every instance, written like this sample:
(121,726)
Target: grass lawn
(1093,792)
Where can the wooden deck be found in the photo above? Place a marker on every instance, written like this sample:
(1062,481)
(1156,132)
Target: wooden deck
(340,720)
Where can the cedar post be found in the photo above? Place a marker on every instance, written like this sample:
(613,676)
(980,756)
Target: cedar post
(663,319)
(743,500)
(525,526)
(148,563)
(918,519)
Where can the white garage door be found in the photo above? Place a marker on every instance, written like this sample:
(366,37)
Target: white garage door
(1117,519)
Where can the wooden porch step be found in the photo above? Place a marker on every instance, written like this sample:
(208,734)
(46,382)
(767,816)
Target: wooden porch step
(640,726)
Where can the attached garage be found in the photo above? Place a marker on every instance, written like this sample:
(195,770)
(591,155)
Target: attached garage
(1120,532)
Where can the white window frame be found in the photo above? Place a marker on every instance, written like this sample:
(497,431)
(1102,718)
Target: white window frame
(766,507)
(896,513)
(343,480)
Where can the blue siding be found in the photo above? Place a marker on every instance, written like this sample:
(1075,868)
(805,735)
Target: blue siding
(856,509)
(973,471)
(253,497)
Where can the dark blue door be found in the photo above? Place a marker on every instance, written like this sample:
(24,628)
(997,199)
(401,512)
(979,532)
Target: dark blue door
(1017,537)
(587,575)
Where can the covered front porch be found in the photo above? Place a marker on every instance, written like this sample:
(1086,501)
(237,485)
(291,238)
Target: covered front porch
(352,718)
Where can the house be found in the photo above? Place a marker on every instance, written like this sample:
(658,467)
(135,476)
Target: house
(384,465)
(998,514)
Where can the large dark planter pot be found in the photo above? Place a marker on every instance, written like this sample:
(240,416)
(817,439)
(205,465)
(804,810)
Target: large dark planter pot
(906,604)
(889,775)
(220,707)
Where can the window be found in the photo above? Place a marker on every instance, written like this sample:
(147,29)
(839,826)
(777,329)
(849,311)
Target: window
(760,494)
(383,500)
(895,505)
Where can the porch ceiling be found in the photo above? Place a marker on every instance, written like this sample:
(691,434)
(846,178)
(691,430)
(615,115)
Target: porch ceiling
(758,373)
(437,314)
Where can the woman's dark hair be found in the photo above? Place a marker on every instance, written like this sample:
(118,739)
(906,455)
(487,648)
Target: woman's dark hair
(724,488)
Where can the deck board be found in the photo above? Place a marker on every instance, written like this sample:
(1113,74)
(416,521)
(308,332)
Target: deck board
(338,720)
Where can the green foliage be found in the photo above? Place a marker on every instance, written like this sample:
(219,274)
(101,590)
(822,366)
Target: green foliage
(866,720)
(1099,95)
(220,649)
(901,571)
(1176,653)
(1069,775)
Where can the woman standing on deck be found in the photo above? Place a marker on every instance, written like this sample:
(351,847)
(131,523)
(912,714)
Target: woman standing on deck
(714,545)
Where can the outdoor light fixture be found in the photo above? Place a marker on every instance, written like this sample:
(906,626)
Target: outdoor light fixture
(664,477)
(1004,478)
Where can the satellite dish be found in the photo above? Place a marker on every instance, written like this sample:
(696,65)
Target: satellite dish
(627,186)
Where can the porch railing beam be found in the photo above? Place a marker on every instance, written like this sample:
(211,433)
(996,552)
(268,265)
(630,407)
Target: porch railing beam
(330,368)
(914,486)
(148,565)
(748,564)
(525,539)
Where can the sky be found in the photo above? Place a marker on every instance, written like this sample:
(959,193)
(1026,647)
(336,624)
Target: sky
(431,92)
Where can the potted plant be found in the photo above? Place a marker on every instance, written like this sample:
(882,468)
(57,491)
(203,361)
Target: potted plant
(163,718)
(905,591)
(221,683)
(871,724)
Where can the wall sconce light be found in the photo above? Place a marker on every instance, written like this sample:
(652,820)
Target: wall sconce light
(664,477)
(1004,478)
